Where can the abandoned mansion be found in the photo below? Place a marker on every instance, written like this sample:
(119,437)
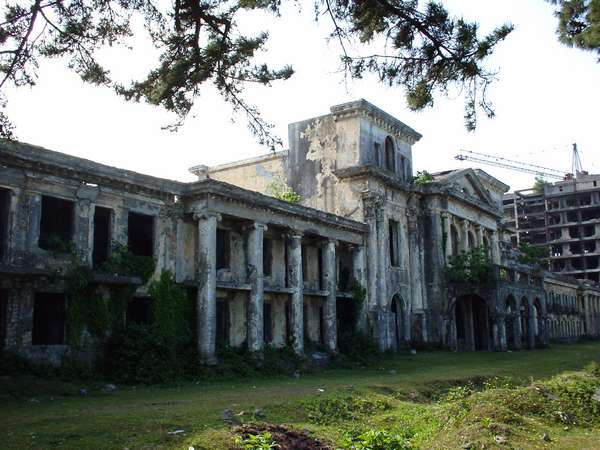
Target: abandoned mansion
(363,246)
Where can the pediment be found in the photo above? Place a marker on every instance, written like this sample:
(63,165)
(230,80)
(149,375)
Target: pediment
(467,182)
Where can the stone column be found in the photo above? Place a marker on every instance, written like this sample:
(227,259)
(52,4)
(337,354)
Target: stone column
(502,332)
(465,236)
(254,320)
(359,274)
(382,265)
(206,304)
(329,310)
(495,249)
(480,236)
(83,230)
(416,305)
(297,297)
(34,201)
(530,326)
(448,231)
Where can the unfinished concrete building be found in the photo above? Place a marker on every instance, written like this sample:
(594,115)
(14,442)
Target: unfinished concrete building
(564,217)
(265,271)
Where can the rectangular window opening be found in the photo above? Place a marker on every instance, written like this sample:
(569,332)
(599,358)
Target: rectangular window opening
(48,319)
(102,235)
(140,234)
(222,323)
(223,248)
(394,243)
(139,311)
(320,268)
(4,212)
(267,257)
(267,323)
(56,224)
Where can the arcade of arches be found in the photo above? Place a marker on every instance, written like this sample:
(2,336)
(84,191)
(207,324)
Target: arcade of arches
(478,325)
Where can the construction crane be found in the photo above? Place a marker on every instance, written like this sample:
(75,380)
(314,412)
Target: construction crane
(497,161)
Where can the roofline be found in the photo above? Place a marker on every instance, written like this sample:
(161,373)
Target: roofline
(202,169)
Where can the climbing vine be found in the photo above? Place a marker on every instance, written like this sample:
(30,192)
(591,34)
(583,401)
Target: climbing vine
(87,309)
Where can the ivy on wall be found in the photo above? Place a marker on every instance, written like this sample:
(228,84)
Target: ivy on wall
(87,308)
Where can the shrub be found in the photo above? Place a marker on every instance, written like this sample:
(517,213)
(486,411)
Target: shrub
(334,409)
(375,440)
(137,354)
(262,441)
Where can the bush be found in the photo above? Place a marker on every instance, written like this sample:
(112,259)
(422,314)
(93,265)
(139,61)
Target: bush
(334,409)
(138,354)
(357,347)
(375,440)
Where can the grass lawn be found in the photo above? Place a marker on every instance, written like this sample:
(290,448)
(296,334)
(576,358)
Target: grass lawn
(49,414)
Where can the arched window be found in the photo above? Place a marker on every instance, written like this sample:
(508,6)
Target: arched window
(390,154)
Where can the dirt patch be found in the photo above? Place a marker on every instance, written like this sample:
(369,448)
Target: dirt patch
(285,437)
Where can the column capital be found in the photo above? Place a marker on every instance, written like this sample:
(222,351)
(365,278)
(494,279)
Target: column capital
(256,226)
(295,235)
(205,215)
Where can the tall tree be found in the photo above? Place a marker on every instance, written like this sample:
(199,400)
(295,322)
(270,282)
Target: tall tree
(422,48)
(579,23)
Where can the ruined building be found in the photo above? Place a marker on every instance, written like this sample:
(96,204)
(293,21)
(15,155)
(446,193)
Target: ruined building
(563,217)
(269,272)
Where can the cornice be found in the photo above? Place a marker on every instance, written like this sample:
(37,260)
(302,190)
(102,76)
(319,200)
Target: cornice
(362,108)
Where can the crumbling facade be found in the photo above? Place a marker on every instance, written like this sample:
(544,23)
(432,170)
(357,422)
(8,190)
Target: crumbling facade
(264,271)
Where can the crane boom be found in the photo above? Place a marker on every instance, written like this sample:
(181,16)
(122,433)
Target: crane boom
(505,163)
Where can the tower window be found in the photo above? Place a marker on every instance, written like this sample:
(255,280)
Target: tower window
(390,155)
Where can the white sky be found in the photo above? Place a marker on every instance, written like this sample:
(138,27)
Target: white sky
(546,98)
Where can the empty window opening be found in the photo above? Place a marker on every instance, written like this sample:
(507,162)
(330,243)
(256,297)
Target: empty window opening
(346,318)
(589,230)
(304,263)
(585,200)
(321,325)
(572,216)
(577,263)
(376,154)
(595,277)
(394,243)
(3,317)
(140,234)
(390,154)
(454,239)
(558,266)
(591,262)
(223,248)
(574,232)
(139,311)
(48,319)
(571,201)
(557,250)
(267,323)
(403,168)
(102,235)
(471,240)
(267,257)
(554,219)
(4,210)
(575,248)
(320,264)
(590,214)
(222,323)
(345,268)
(56,224)
(589,247)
